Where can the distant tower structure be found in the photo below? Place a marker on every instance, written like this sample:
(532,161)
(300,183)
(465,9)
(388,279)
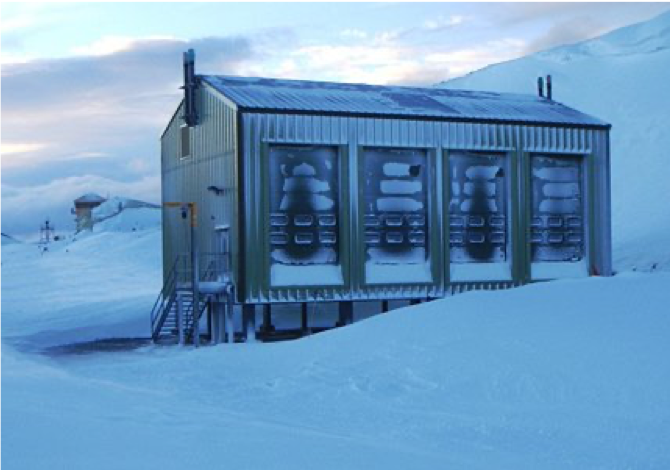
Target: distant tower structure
(83,207)
(46,232)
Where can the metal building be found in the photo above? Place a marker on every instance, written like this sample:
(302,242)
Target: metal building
(333,192)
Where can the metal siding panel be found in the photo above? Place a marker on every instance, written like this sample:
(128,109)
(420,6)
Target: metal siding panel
(186,180)
(360,132)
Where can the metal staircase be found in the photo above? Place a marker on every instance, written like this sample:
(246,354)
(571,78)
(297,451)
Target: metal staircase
(173,316)
(166,329)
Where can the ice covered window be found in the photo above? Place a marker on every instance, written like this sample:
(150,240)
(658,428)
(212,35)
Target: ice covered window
(395,215)
(304,220)
(557,226)
(477,209)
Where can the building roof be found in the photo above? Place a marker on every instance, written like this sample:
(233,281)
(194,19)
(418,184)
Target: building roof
(300,96)
(90,198)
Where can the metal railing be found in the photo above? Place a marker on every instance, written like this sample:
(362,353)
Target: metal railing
(164,301)
(180,278)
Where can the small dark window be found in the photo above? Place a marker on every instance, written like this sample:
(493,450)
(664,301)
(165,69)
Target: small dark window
(185,141)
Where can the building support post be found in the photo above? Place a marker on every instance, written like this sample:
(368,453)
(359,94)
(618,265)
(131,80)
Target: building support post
(195,279)
(215,330)
(230,320)
(210,313)
(346,313)
(385,306)
(303,318)
(267,327)
(249,322)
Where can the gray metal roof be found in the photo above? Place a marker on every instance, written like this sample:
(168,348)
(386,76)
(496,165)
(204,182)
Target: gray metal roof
(267,94)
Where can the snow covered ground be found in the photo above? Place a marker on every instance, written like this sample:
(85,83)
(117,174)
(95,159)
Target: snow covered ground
(572,374)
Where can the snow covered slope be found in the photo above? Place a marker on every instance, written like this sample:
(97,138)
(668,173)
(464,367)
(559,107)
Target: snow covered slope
(100,285)
(624,78)
(120,214)
(561,375)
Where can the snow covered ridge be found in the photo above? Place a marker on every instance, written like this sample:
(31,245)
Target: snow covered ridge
(116,204)
(642,38)
(8,240)
(622,78)
(121,214)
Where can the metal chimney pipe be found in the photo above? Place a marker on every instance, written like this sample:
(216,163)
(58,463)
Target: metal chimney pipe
(540,87)
(190,113)
(548,86)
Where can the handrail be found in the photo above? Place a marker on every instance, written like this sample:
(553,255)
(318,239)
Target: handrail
(159,305)
(171,274)
(167,296)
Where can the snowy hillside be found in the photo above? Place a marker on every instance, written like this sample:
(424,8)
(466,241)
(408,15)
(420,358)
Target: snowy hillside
(120,214)
(86,285)
(622,78)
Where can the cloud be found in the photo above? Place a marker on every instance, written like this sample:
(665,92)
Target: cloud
(354,33)
(567,32)
(112,44)
(94,116)
(18,148)
(441,23)
(17,23)
(98,104)
(395,63)
(513,14)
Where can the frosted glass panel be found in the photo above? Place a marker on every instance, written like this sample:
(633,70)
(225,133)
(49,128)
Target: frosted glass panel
(557,223)
(478,208)
(395,220)
(304,203)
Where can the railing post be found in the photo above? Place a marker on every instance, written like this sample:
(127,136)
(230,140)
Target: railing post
(195,280)
(180,319)
(249,322)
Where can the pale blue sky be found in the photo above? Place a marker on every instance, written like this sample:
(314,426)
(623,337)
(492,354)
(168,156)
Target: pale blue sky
(87,88)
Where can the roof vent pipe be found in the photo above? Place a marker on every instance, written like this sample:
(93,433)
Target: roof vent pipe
(190,112)
(540,87)
(549,87)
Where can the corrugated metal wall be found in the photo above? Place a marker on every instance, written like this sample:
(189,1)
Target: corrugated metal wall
(212,162)
(350,134)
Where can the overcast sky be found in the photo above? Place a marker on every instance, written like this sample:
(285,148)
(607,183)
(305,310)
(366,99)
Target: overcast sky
(88,88)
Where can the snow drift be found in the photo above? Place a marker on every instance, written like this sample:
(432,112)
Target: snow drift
(567,374)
